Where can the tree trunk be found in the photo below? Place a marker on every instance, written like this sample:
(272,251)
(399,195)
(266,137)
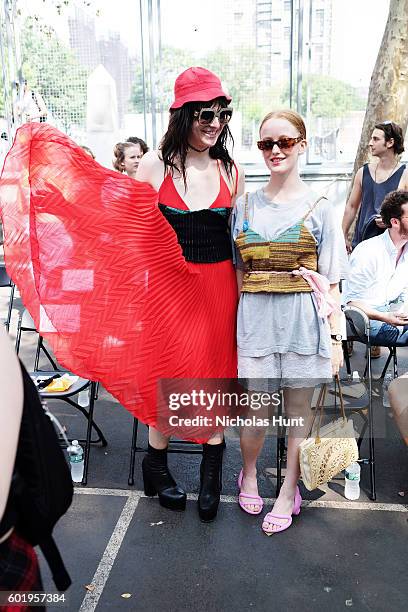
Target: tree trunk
(388,93)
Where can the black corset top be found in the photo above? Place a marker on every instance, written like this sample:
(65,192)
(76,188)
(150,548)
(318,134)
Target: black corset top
(203,234)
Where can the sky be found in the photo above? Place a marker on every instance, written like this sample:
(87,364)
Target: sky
(358,27)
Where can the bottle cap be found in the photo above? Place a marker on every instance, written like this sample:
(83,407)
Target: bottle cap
(75,443)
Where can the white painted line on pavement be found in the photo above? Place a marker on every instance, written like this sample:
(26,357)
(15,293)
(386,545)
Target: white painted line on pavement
(116,492)
(229,499)
(354,505)
(101,575)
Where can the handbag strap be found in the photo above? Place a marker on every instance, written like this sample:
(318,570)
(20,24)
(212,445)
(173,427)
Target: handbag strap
(338,385)
(311,209)
(320,405)
(246,208)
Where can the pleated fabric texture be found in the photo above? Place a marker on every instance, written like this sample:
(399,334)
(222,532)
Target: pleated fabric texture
(102,274)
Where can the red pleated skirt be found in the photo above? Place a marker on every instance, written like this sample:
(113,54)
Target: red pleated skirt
(102,274)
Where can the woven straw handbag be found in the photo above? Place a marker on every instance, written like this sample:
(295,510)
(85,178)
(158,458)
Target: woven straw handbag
(331,449)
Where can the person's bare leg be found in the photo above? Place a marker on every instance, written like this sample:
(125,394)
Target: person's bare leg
(398,391)
(157,439)
(252,439)
(216,438)
(297,405)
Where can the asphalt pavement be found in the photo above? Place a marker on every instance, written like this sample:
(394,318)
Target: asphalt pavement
(125,551)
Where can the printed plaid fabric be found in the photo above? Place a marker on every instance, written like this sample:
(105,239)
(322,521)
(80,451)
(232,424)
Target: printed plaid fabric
(19,570)
(268,263)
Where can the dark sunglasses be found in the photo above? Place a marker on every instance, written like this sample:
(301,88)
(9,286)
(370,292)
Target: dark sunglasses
(283,143)
(207,115)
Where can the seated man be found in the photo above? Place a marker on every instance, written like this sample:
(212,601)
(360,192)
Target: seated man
(378,276)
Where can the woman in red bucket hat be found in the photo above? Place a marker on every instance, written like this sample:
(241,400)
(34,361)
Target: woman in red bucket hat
(131,282)
(197,182)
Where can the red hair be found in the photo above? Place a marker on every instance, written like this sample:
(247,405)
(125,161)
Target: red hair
(290,115)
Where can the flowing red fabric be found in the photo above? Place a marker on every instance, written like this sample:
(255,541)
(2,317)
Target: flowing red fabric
(102,274)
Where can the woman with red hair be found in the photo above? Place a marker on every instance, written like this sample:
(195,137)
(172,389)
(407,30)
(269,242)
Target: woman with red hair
(289,254)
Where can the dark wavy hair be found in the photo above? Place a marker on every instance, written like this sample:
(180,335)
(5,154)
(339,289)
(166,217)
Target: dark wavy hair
(391,208)
(174,144)
(392,131)
(138,141)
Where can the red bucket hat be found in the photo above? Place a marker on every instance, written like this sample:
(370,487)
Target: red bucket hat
(197,85)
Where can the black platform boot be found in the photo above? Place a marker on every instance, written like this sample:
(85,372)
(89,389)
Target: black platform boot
(158,480)
(210,481)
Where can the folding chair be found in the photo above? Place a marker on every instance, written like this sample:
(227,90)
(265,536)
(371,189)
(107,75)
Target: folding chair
(358,330)
(5,281)
(26,324)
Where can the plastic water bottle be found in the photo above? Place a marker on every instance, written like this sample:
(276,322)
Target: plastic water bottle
(352,481)
(83,398)
(388,378)
(76,460)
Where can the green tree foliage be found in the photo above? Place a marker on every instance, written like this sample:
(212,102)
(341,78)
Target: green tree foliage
(172,62)
(329,97)
(136,99)
(52,69)
(240,69)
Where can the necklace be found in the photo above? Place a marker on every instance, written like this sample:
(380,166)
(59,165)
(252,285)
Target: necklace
(392,170)
(197,150)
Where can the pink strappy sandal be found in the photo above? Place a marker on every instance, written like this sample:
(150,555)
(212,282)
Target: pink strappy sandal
(251,500)
(269,518)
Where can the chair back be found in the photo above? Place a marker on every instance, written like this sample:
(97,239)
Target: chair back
(357,325)
(26,324)
(5,280)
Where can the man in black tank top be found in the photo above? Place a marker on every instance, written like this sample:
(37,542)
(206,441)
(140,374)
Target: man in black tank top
(373,182)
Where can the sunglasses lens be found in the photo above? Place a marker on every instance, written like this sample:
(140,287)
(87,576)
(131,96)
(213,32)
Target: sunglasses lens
(206,116)
(282,143)
(265,145)
(286,143)
(225,115)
